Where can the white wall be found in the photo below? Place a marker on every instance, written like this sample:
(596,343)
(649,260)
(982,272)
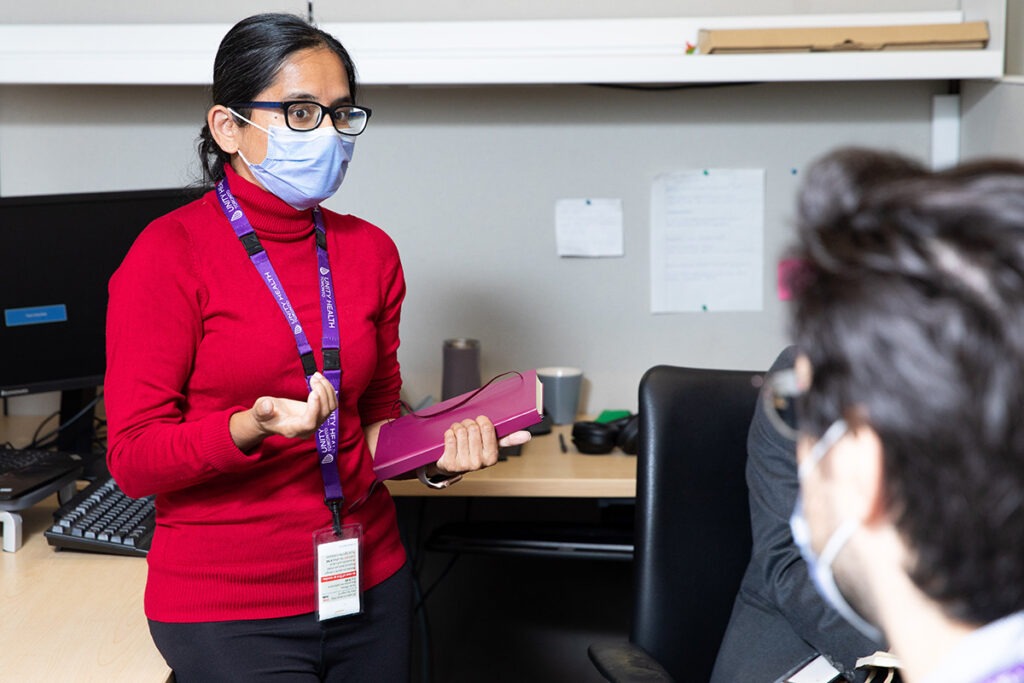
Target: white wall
(465,180)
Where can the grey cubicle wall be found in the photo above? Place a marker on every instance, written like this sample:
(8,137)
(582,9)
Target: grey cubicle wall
(465,179)
(992,121)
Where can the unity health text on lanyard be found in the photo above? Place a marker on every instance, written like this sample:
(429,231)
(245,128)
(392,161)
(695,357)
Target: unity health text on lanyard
(326,433)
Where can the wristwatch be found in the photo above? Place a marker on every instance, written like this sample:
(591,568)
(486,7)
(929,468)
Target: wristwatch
(437,481)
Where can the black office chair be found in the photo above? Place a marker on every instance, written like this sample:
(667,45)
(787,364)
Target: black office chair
(692,523)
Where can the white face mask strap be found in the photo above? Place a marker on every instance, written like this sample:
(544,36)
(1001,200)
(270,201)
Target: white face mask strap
(254,125)
(826,577)
(838,539)
(251,123)
(244,159)
(836,431)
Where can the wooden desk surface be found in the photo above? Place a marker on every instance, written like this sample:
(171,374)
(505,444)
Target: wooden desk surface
(542,471)
(72,615)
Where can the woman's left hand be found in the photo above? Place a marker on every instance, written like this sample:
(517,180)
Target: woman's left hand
(472,445)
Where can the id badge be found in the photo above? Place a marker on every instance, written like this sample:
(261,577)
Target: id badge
(338,572)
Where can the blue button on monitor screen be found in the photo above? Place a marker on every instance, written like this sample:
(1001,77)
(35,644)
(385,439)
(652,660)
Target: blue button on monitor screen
(35,315)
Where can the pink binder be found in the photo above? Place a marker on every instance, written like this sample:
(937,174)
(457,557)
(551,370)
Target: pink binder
(412,441)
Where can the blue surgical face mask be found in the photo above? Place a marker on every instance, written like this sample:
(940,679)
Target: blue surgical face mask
(820,568)
(303,168)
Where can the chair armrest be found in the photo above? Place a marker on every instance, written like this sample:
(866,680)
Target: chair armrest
(627,663)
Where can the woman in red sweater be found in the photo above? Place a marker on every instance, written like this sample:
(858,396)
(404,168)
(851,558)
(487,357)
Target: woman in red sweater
(252,343)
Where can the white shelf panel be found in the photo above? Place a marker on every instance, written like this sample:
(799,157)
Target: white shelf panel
(493,52)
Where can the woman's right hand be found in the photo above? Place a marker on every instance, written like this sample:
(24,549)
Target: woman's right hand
(283,416)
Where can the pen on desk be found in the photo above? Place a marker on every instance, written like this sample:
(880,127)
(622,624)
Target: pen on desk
(561,442)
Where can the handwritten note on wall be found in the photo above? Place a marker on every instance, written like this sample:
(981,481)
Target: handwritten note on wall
(588,227)
(707,241)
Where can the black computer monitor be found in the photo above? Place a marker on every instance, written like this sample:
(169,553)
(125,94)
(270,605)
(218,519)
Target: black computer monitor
(57,253)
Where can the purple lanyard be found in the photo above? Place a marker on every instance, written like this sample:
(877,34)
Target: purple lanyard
(326,433)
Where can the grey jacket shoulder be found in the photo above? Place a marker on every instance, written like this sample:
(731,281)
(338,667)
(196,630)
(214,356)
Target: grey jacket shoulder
(779,620)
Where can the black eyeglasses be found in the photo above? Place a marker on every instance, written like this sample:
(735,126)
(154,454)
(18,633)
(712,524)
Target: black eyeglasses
(304,115)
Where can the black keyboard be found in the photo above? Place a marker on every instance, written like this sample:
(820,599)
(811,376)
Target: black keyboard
(102,519)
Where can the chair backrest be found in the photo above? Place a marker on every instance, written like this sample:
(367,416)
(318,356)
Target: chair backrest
(692,514)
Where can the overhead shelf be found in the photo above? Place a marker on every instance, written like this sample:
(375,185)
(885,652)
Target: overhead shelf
(627,51)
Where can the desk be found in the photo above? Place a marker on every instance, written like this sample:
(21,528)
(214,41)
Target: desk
(73,616)
(70,615)
(542,471)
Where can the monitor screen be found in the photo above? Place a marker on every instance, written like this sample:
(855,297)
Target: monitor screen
(57,253)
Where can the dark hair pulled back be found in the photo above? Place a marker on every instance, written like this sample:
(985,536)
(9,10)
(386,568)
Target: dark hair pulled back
(248,59)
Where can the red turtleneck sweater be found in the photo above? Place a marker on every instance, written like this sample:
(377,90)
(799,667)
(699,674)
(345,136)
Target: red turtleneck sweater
(193,335)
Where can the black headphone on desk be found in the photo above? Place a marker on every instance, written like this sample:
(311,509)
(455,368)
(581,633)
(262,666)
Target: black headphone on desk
(598,438)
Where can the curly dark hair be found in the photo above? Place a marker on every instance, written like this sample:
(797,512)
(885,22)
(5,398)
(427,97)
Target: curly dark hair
(247,61)
(910,307)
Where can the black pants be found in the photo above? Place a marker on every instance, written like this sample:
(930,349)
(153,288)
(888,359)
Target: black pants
(373,646)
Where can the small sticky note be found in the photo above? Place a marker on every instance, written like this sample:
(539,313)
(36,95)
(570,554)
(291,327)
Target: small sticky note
(589,227)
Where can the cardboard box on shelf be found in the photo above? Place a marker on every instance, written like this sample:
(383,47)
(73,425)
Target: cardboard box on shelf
(964,36)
